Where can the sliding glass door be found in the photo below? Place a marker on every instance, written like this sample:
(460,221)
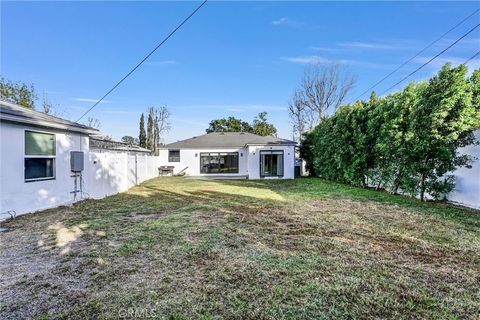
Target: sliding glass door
(223,162)
(271,163)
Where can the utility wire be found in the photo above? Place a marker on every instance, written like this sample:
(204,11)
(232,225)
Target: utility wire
(433,58)
(144,59)
(416,55)
(472,57)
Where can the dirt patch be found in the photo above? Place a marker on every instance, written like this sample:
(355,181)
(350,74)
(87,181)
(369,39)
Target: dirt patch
(145,216)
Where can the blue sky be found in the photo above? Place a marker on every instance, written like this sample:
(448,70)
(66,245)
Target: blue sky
(231,59)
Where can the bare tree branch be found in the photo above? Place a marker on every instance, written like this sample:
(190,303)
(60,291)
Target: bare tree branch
(93,123)
(161,125)
(322,88)
(54,110)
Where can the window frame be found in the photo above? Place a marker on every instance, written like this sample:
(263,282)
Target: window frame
(271,152)
(174,159)
(219,155)
(53,156)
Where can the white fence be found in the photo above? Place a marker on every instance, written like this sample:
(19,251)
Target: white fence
(108,173)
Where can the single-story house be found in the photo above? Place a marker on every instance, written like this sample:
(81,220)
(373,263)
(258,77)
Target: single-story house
(232,154)
(35,168)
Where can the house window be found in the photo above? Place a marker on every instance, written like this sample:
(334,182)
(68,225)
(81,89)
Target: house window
(39,156)
(223,162)
(173,155)
(271,163)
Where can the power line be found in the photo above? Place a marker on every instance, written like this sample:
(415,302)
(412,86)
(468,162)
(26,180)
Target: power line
(416,55)
(433,58)
(472,57)
(144,59)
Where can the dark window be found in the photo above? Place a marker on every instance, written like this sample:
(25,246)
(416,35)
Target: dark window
(39,168)
(173,155)
(271,163)
(223,162)
(40,156)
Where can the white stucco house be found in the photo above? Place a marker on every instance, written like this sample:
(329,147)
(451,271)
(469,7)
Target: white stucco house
(231,155)
(47,161)
(35,148)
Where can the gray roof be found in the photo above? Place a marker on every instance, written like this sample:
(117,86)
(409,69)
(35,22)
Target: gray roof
(227,140)
(14,113)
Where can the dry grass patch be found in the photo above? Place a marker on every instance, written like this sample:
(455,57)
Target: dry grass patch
(243,249)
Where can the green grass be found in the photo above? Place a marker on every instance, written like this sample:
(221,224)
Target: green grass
(300,249)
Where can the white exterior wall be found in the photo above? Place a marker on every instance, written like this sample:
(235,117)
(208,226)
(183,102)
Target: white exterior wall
(191,158)
(105,173)
(249,161)
(21,196)
(467,187)
(288,161)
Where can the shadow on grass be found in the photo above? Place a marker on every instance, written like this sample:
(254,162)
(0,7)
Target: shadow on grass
(316,188)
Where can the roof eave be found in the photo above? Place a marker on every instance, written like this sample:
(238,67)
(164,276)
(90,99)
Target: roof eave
(229,147)
(46,124)
(180,147)
(271,144)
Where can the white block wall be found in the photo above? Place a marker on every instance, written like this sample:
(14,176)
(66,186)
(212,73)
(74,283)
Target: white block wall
(467,188)
(109,173)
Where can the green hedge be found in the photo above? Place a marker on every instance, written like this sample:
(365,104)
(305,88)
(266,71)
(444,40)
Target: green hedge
(404,141)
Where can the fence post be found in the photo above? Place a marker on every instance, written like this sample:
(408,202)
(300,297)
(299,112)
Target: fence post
(136,170)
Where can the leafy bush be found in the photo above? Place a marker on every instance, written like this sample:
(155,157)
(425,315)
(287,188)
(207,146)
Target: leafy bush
(406,141)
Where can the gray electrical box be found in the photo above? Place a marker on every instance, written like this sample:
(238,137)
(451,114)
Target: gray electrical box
(76,161)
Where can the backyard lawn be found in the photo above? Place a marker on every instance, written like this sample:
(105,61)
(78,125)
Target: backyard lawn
(187,249)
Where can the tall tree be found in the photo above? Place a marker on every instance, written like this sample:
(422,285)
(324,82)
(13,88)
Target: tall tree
(150,128)
(300,117)
(18,93)
(142,137)
(161,124)
(156,135)
(324,88)
(128,139)
(47,106)
(230,124)
(261,127)
(163,119)
(442,123)
(475,88)
(306,152)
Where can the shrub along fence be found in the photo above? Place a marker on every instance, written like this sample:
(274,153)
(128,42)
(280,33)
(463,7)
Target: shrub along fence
(404,142)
